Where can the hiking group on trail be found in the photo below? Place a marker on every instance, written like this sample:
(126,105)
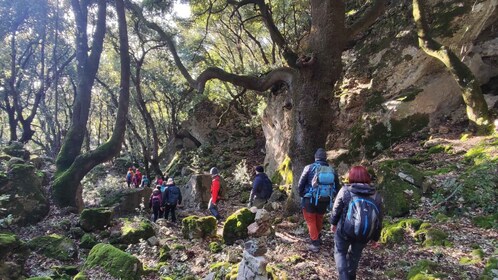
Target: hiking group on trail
(356,208)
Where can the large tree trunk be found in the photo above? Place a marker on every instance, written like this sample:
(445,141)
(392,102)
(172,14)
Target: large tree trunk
(87,70)
(477,108)
(67,184)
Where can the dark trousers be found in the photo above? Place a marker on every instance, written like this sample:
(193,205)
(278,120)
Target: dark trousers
(214,210)
(156,211)
(347,256)
(167,210)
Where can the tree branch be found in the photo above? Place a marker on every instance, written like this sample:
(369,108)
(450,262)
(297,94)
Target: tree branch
(368,18)
(275,34)
(285,75)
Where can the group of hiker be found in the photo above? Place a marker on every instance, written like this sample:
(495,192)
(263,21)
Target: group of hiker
(356,217)
(135,178)
(356,208)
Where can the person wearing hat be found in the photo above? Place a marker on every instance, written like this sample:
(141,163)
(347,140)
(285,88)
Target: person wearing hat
(313,212)
(262,188)
(215,189)
(172,196)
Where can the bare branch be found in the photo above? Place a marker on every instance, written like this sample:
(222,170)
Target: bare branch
(368,18)
(285,75)
(275,34)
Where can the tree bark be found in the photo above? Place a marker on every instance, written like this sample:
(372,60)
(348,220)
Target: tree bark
(477,108)
(67,184)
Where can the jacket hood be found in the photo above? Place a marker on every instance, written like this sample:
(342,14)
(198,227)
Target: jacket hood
(361,189)
(156,192)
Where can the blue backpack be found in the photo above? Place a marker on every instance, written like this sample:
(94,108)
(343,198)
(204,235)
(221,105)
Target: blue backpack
(322,184)
(362,218)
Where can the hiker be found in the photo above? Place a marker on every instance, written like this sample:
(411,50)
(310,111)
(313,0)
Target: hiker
(356,219)
(145,181)
(138,178)
(215,189)
(129,176)
(315,204)
(262,188)
(159,180)
(171,198)
(155,203)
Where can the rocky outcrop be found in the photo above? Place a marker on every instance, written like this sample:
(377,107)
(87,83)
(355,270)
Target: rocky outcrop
(135,229)
(236,225)
(54,246)
(129,200)
(198,227)
(197,191)
(95,218)
(25,201)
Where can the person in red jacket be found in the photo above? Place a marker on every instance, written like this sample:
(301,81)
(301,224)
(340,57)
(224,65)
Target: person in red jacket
(215,189)
(138,178)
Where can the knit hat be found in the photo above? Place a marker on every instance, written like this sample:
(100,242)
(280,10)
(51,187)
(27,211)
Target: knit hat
(170,182)
(259,169)
(321,154)
(213,171)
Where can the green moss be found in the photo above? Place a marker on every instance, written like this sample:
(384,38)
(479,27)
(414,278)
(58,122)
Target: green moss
(39,278)
(283,174)
(114,261)
(236,225)
(381,136)
(294,259)
(432,237)
(215,247)
(274,273)
(64,271)
(164,253)
(80,276)
(476,257)
(487,222)
(396,192)
(224,270)
(480,186)
(95,218)
(410,224)
(423,270)
(440,217)
(439,149)
(134,230)
(392,234)
(8,243)
(198,227)
(88,241)
(178,247)
(54,246)
(489,270)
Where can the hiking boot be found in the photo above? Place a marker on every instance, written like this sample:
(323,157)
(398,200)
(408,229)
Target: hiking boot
(314,248)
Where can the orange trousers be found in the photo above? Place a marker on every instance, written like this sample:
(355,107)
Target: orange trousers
(314,222)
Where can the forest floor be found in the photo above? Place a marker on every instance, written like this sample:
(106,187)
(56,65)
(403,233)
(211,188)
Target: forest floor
(287,250)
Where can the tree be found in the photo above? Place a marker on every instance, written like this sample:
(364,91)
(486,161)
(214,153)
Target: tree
(477,108)
(312,67)
(71,165)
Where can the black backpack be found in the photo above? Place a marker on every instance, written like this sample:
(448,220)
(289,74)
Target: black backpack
(267,189)
(173,195)
(361,219)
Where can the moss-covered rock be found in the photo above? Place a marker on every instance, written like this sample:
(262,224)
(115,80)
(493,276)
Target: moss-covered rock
(198,227)
(432,237)
(475,257)
(16,149)
(95,218)
(236,225)
(489,221)
(224,270)
(64,271)
(114,261)
(215,247)
(394,233)
(134,230)
(397,181)
(164,253)
(24,198)
(88,241)
(54,246)
(8,243)
(423,270)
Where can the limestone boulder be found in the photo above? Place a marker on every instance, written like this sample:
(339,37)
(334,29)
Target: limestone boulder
(129,200)
(95,218)
(194,227)
(235,227)
(54,246)
(197,191)
(113,261)
(26,202)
